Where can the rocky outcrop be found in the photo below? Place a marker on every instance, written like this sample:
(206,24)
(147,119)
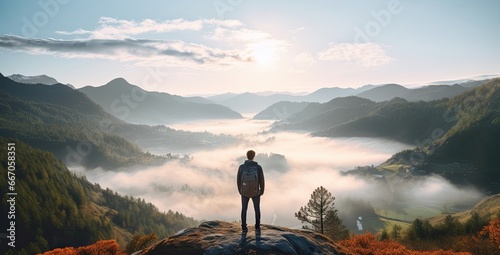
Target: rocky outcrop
(218,237)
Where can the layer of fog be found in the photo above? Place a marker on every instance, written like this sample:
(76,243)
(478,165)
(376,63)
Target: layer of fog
(204,187)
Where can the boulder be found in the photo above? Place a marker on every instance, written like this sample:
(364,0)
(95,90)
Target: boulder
(218,237)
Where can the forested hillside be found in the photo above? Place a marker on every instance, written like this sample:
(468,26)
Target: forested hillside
(64,121)
(396,119)
(458,138)
(316,116)
(79,132)
(473,140)
(55,208)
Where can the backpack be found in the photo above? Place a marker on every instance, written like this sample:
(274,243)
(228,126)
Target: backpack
(250,181)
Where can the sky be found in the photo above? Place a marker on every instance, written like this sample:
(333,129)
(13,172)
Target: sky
(216,46)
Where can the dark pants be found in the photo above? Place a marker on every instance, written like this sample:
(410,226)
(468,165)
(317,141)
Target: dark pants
(244,207)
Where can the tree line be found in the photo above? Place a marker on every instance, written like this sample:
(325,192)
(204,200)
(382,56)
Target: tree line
(478,235)
(56,208)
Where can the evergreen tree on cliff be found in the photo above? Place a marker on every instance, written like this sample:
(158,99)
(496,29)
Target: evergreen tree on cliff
(322,215)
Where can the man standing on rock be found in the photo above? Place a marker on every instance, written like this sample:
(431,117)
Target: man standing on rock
(250,181)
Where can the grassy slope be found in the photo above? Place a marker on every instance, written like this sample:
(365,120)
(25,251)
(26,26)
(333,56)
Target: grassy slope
(487,207)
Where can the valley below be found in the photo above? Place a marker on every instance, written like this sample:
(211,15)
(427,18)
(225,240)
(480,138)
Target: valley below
(201,183)
(389,165)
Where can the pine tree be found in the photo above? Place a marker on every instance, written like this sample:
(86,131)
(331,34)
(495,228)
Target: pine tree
(396,232)
(140,242)
(334,228)
(321,214)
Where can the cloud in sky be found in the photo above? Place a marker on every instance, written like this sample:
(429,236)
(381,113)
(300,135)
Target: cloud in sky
(283,33)
(140,51)
(301,61)
(304,58)
(118,40)
(363,54)
(110,28)
(261,45)
(297,29)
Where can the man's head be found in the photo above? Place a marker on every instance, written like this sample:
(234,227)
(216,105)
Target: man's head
(250,154)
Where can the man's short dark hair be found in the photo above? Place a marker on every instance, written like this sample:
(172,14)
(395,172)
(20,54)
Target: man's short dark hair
(250,154)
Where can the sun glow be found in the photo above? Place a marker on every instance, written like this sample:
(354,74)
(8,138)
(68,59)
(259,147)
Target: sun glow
(263,53)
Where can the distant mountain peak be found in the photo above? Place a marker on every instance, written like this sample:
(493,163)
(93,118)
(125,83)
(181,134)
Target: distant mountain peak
(384,92)
(139,111)
(118,82)
(42,79)
(392,85)
(36,79)
(465,80)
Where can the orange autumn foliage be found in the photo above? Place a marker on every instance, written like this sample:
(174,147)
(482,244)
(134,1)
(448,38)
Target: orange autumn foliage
(492,230)
(61,251)
(367,244)
(103,247)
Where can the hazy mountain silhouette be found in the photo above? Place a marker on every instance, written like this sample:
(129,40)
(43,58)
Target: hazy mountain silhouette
(433,92)
(404,118)
(456,138)
(326,94)
(135,105)
(384,92)
(281,110)
(426,93)
(37,79)
(58,94)
(470,80)
(249,102)
(254,103)
(318,116)
(67,123)
(78,131)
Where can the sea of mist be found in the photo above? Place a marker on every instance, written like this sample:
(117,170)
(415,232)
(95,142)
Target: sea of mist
(204,187)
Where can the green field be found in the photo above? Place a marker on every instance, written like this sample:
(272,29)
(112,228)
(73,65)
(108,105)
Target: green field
(391,223)
(390,170)
(412,212)
(388,217)
(377,224)
(393,167)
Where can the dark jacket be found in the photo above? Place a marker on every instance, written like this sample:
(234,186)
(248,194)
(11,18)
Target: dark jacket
(260,173)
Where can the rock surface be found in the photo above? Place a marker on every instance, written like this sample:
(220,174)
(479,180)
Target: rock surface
(218,237)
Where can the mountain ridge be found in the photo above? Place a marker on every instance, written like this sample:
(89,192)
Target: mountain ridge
(377,93)
(135,105)
(78,131)
(61,120)
(460,144)
(36,79)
